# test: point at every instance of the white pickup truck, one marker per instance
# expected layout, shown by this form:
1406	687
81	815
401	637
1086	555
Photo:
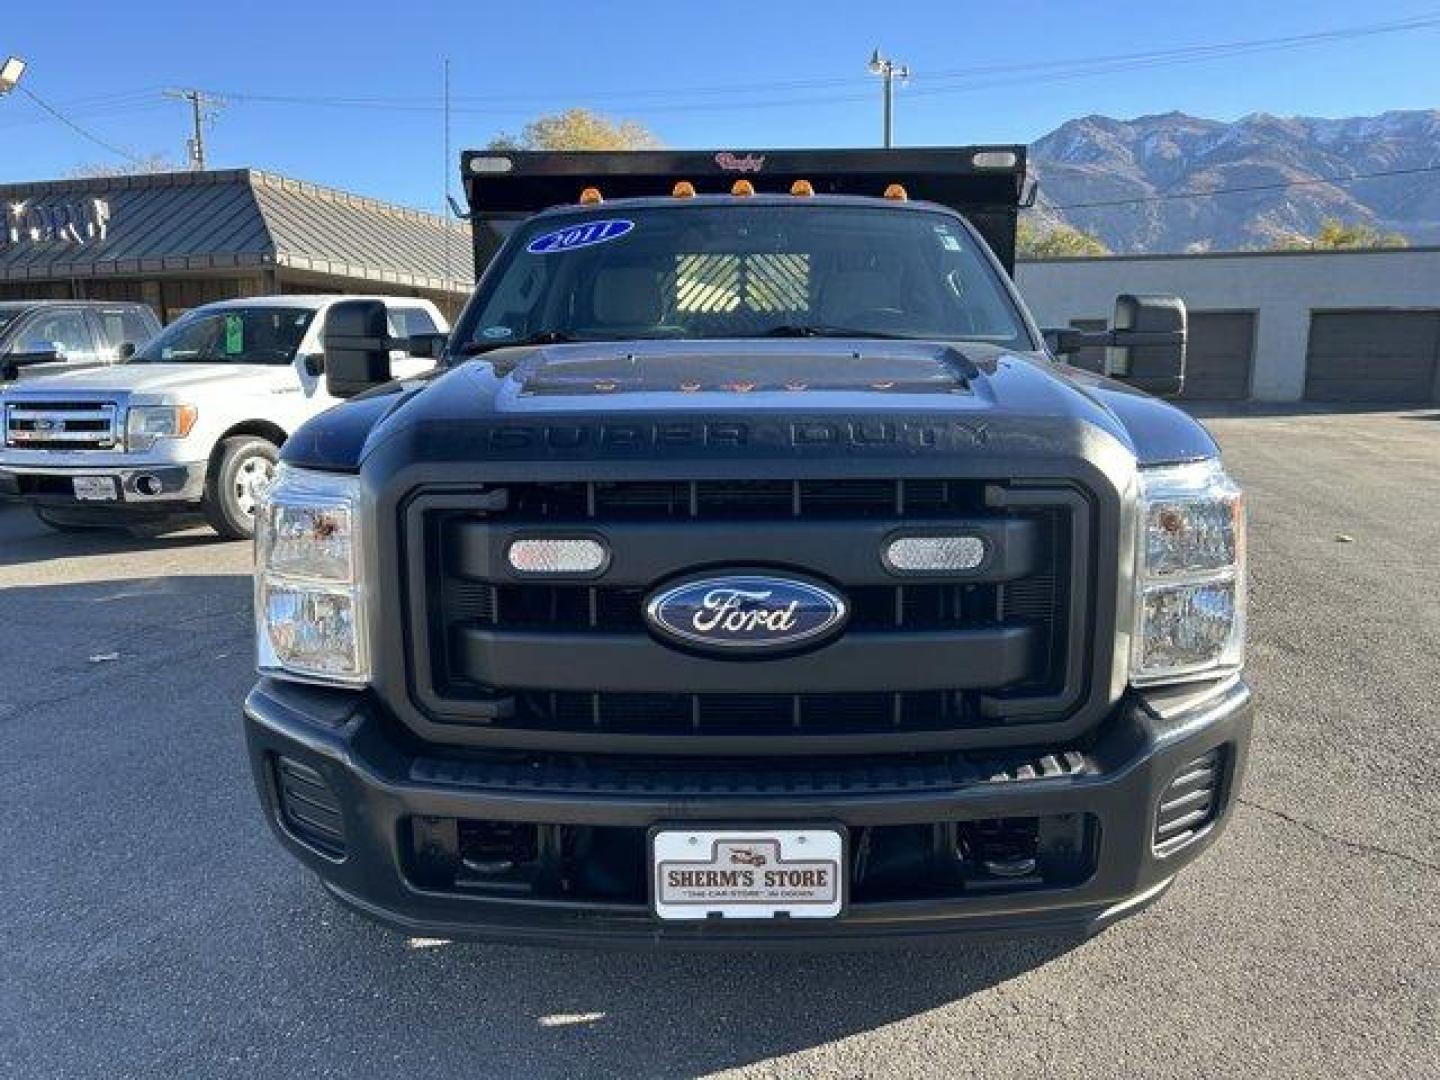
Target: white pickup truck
190	423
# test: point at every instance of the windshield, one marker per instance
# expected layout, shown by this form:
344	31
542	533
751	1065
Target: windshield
8	316
734	271
249	335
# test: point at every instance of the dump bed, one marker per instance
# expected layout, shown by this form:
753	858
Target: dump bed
985	183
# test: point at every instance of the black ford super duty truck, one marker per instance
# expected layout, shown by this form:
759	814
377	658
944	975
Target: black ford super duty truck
751	572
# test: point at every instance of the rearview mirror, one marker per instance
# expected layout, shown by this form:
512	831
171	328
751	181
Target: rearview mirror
1147	344
126	350
357	347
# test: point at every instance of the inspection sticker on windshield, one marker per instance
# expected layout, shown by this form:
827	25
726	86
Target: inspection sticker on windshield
747	873
234	334
579	236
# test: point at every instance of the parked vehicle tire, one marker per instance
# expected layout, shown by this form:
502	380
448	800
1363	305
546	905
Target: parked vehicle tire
244	468
69	521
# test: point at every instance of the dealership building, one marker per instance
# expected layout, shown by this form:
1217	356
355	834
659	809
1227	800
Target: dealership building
1323	326
177	240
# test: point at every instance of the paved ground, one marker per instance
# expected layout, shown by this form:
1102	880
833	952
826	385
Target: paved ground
149	926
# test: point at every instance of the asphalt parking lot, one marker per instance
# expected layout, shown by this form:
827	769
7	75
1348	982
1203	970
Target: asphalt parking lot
150	926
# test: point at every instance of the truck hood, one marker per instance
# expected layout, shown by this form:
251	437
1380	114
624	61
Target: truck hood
175	379
983	389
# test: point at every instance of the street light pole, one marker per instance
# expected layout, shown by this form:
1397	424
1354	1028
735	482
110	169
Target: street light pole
888	70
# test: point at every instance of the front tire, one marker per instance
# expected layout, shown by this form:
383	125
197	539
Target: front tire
243	470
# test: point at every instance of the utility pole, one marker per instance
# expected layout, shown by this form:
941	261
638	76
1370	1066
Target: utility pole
445	202
888	70
203	110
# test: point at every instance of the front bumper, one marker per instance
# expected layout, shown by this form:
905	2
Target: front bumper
381	782
162	487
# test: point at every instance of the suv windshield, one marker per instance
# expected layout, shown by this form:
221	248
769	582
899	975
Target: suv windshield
731	270
250	335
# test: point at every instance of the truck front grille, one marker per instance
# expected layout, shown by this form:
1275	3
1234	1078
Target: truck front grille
61	425
476	630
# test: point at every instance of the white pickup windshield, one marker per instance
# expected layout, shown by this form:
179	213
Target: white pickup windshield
730	270
248	335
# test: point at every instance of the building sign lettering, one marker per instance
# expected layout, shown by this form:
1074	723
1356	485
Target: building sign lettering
70	221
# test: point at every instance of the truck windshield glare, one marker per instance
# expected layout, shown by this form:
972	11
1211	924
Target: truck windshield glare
252	335
726	271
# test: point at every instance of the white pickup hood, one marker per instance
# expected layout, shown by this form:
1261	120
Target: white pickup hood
167	379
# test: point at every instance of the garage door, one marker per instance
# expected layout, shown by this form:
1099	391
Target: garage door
1218	360
1372	356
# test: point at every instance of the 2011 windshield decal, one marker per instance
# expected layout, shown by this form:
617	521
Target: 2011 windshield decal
579	236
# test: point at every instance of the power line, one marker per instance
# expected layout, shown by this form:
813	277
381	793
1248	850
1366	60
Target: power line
73	126
1176	196
970	79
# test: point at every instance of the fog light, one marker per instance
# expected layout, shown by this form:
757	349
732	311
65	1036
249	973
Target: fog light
573	555
934	554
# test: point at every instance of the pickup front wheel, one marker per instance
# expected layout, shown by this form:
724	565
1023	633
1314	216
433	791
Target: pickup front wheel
244	469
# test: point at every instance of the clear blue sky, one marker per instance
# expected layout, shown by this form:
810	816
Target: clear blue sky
725	74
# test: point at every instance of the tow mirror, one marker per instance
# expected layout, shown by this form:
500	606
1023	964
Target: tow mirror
1145	347
357	347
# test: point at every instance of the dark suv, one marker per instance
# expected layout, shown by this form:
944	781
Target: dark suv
40	337
752	572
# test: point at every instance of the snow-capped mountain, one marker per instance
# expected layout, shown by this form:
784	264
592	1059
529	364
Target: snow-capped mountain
1097	159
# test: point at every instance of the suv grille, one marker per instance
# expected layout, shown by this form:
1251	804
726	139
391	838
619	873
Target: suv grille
61	425
477	630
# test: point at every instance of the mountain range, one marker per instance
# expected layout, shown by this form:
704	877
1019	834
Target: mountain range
1142	165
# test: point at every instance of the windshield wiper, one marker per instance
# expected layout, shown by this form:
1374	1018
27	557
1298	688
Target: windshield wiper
800	330
540	337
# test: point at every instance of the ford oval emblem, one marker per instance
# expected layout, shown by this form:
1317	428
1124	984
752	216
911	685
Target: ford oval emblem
746	613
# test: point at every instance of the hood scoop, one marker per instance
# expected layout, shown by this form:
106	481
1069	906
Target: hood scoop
755	366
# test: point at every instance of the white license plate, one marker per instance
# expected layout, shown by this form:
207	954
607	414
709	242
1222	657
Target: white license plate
95	488
747	873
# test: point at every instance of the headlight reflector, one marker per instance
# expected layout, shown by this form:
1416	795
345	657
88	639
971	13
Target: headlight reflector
1190	575
144	424
309	603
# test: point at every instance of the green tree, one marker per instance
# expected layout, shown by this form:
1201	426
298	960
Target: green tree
1335	235
1056	242
578	129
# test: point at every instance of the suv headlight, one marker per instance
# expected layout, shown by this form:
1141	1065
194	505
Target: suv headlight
309	603
144	424
1190	575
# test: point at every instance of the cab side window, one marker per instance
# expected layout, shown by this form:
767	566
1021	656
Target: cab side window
64	331
124	325
412	321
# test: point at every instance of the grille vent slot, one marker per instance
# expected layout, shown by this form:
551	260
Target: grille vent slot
310	809
1190	802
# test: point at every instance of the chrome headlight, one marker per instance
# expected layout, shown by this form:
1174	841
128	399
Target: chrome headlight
309	602
1190	575
144	424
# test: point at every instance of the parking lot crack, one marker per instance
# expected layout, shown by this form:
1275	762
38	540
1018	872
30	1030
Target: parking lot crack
1354	845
